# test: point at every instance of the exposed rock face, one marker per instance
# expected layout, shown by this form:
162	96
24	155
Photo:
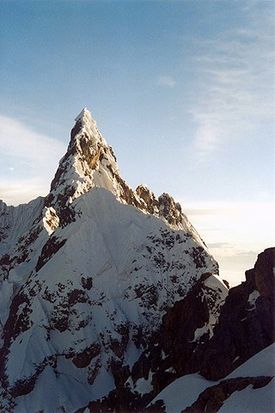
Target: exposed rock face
246	323
177	347
245	328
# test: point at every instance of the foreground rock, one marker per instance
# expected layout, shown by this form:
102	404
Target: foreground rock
242	337
249	388
246	323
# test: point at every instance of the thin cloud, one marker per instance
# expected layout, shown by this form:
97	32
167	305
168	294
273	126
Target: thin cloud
235	232
167	81
20	141
33	154
22	191
233	264
236	87
218	245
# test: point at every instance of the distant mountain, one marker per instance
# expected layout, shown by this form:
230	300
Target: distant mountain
108	294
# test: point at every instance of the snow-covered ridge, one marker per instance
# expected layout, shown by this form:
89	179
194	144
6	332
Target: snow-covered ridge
88	125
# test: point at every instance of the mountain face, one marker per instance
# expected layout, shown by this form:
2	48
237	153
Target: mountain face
108	294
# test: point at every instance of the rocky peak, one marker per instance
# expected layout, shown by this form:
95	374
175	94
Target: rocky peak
169	209
85	117
148	197
90	162
85	128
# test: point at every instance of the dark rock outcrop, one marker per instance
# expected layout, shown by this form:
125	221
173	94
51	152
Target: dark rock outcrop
212	399
177	348
246	324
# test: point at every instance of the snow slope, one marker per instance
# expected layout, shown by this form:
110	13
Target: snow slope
251	400
262	364
184	391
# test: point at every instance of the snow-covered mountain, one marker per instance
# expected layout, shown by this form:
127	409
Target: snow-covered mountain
108	294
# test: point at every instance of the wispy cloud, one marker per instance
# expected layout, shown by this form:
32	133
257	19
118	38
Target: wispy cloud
19	140
166	81
19	191
29	160
236	82
235	232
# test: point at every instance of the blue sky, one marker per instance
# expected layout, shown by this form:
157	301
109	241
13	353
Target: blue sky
183	91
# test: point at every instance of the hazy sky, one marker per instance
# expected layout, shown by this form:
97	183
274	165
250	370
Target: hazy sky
182	90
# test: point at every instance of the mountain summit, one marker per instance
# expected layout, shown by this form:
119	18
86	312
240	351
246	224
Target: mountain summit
93	279
91	163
